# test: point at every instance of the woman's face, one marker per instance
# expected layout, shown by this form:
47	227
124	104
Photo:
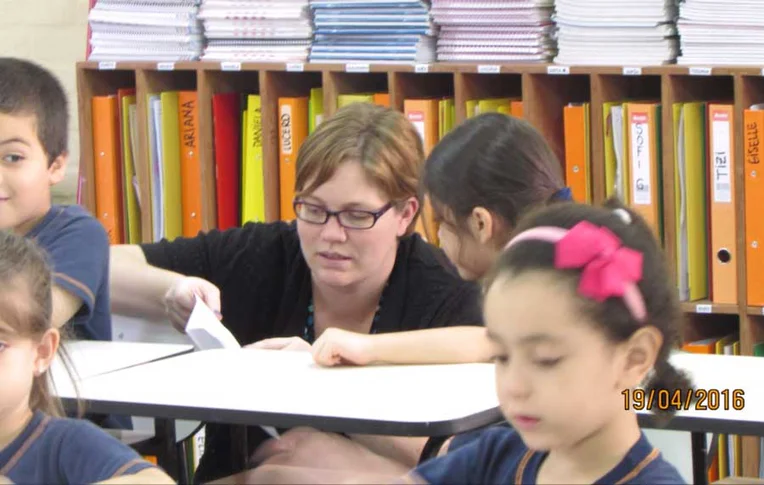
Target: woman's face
339	256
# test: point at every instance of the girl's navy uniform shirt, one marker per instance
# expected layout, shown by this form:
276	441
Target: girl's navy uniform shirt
499	456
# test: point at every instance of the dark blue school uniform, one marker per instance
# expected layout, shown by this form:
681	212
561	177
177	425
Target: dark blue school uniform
499	456
62	451
78	251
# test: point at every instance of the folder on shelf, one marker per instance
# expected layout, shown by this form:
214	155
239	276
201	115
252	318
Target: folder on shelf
132	213
609	150
643	154
153	120
190	164
577	151
753	121
690	200
106	155
315	109
171	177
253	185
293	130
346	99
227	134
424	115
721	166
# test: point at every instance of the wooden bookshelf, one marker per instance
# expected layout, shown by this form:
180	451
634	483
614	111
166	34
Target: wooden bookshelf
544	89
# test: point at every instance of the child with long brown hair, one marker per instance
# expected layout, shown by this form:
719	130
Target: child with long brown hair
37	445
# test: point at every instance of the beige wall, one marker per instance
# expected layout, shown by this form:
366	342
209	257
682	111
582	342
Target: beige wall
52	33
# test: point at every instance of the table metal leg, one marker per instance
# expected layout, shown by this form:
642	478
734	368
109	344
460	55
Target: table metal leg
432	447
239	448
699	465
168	457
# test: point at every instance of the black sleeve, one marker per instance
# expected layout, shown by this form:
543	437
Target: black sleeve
217	255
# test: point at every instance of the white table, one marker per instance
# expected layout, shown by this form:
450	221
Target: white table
92	358
287	389
713	374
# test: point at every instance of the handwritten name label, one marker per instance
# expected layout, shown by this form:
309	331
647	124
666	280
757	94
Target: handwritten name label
295	67
704	308
558	70
632	71
357	67
165	66
722	183
700	71
422	68
107	65
489	69
230	66
640	159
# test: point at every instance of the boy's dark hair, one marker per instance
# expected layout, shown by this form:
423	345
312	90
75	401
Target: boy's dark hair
614	318
26	305
495	161
29	89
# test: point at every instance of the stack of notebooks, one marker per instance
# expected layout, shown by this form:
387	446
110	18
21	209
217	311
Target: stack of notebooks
145	30
256	30
380	31
729	32
494	30
616	32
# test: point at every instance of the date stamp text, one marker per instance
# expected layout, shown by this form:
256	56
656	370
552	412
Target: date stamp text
683	400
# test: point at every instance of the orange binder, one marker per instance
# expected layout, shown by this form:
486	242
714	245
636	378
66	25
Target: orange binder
516	109
190	166
424	115
293	130
753	121
721	167
382	99
577	158
107	160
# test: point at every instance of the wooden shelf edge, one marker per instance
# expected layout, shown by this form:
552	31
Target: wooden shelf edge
755	310
438	67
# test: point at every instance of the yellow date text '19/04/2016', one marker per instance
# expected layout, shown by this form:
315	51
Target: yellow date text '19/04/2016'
683	399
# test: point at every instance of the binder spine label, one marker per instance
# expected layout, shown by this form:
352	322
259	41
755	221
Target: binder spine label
722	183
640	159
285	118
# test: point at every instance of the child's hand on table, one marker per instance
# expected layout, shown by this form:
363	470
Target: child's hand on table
341	347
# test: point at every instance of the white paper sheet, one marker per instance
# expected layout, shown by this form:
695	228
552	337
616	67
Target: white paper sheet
207	332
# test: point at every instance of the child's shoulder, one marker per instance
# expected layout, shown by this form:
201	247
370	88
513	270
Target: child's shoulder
69	223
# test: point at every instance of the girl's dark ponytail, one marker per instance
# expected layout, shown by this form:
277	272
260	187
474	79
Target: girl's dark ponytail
667	384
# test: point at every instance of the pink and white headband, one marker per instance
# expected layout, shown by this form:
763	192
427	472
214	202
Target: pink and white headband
608	268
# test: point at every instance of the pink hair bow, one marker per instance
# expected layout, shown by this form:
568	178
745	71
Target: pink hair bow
608	269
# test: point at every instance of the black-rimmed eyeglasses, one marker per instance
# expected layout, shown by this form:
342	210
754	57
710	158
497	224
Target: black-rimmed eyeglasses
348	218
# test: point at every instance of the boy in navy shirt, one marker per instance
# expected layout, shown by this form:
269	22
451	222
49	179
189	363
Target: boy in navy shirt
34	126
33	157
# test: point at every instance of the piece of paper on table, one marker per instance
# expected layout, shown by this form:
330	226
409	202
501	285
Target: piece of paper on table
207	332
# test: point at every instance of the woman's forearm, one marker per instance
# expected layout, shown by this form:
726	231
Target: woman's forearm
137	289
448	345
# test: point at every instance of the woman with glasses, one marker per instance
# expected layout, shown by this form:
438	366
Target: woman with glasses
350	261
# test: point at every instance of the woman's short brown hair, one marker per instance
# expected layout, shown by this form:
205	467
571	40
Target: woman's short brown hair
382	140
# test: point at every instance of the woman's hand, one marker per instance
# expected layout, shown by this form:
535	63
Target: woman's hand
181	297
280	343
341	347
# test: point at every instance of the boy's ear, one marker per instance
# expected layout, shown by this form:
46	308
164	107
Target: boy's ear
57	169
